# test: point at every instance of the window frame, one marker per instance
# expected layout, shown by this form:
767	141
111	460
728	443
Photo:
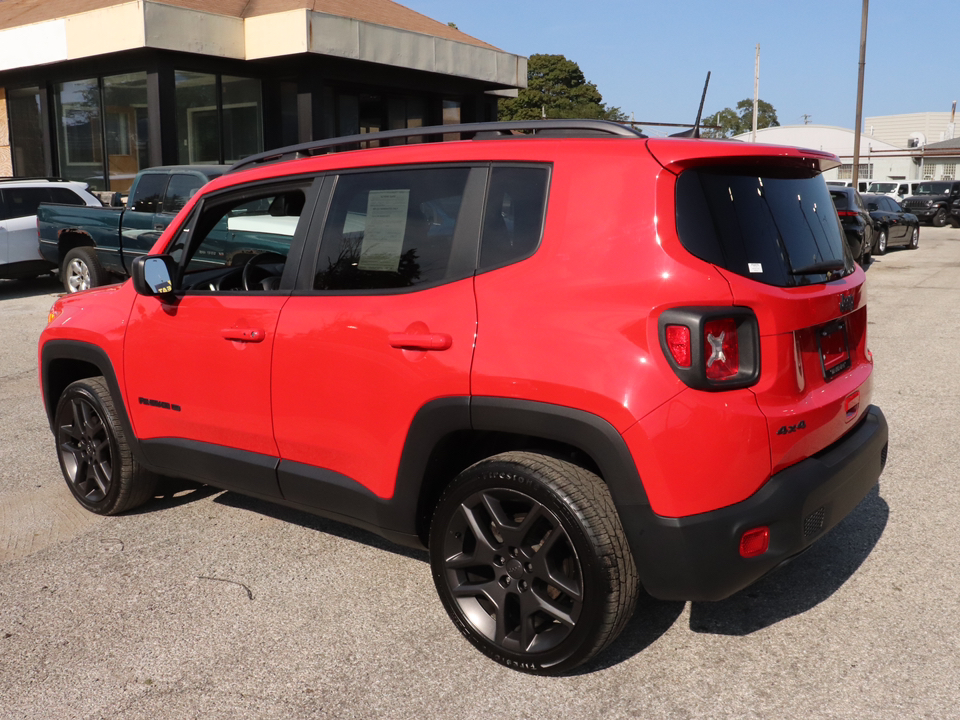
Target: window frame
464	253
311	184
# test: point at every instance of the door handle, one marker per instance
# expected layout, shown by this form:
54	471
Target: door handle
244	334
420	341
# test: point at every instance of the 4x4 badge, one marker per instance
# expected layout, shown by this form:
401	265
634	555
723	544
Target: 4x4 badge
846	302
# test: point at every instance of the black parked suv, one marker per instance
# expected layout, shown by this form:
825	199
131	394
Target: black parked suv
932	201
856	221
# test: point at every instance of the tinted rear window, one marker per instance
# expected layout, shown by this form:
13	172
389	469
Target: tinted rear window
763	223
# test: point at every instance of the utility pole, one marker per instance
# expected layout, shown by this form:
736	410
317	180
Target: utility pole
863	60
756	94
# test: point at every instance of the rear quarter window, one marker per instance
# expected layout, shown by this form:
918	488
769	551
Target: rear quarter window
765	223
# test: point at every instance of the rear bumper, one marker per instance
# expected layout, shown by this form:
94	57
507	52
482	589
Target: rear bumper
697	557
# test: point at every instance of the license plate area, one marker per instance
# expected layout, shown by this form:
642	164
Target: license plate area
834	346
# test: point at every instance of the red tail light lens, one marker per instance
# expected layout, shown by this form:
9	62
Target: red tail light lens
678	341
754	543
721	351
712	347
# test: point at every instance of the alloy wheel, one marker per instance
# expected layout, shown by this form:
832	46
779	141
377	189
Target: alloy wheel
86	451
78	275
513	571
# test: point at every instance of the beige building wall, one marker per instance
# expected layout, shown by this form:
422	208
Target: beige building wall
6	163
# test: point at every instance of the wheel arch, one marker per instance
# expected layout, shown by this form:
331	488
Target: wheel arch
70	238
65	361
450	434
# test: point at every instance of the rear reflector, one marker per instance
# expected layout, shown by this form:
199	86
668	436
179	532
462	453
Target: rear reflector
678	341
755	542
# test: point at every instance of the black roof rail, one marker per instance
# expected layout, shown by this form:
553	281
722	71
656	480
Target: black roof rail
477	131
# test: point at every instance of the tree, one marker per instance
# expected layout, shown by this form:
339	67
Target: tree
737	122
556	86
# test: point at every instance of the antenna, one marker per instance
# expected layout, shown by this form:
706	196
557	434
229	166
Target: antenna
694	132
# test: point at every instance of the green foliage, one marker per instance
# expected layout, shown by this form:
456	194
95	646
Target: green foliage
556	86
736	122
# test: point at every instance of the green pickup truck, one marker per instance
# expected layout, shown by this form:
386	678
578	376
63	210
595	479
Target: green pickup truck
92	245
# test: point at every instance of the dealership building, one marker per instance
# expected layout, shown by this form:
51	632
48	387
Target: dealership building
96	90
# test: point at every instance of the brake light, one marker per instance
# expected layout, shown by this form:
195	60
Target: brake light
721	349
678	341
712	348
847	213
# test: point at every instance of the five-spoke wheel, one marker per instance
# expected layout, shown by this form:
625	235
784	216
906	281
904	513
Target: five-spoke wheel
531	563
94	455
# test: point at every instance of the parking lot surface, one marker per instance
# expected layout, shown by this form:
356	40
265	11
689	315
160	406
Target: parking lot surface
206	604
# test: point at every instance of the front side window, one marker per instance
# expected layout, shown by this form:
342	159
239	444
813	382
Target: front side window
241	243
391	229
775	224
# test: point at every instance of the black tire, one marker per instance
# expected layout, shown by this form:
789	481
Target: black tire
914	239
81	270
882	242
531	562
940	219
95	457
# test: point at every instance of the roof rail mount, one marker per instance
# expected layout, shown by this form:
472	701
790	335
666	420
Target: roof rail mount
469	131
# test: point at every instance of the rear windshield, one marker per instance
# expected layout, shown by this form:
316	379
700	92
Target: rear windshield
774	225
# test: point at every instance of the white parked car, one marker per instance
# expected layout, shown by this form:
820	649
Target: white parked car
886	187
19	198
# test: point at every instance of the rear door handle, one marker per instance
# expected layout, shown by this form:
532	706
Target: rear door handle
244	334
420	341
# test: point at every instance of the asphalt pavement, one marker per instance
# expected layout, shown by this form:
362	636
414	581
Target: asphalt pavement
206	604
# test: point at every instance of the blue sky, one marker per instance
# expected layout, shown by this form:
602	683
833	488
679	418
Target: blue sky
650	58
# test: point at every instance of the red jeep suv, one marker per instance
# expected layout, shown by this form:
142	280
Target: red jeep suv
571	361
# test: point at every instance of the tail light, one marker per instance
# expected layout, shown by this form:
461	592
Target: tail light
712	348
847	213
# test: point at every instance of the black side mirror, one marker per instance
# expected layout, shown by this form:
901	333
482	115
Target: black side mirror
153	275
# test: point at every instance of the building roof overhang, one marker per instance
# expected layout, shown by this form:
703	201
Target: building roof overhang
148	24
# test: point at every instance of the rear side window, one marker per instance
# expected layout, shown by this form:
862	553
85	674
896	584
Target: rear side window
774	225
148	194
391	229
179	190
513	220
64	196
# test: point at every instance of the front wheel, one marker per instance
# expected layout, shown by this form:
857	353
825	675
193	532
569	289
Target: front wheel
882	242
95	456
531	562
940	219
81	270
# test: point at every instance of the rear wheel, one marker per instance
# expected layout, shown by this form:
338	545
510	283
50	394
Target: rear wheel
915	238
95	456
81	270
882	242
531	563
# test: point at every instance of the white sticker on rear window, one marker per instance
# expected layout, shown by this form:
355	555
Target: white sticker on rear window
755	267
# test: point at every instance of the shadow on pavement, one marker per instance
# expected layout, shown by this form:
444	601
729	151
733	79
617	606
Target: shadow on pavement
321	524
31	287
802	584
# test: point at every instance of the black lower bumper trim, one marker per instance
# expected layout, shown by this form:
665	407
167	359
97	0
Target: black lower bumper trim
698	558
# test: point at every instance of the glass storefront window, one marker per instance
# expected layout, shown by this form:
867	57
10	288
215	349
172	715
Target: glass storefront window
79	133
198	132
242	118
128	151
26	132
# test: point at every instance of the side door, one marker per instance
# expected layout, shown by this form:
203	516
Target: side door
21	223
197	366
384	325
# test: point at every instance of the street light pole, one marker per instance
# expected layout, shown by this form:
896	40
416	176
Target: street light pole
863	60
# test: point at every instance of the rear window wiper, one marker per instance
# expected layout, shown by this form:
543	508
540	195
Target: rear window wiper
819	268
